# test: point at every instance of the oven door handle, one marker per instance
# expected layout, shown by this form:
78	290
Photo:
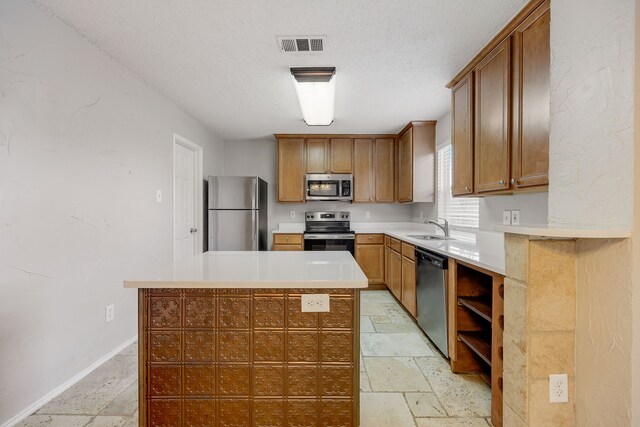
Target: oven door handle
329	237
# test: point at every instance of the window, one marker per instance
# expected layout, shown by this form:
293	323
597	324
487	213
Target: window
459	211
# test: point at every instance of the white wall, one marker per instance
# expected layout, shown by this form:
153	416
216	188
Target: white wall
591	143
258	157
533	206
84	146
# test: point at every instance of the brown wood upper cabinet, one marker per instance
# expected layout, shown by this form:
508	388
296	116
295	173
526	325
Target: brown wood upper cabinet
503	95
373	170
326	155
291	170
531	97
416	162
462	136
492	139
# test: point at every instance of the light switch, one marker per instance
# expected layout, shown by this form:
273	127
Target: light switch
506	217
515	217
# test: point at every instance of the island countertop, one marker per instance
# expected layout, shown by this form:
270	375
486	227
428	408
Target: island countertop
255	270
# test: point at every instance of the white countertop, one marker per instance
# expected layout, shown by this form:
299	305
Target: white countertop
484	249
265	269
566	232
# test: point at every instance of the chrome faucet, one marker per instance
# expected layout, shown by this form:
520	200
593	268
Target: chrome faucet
444	228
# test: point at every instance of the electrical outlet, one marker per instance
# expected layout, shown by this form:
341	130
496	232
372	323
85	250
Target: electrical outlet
558	388
109	313
367	214
158	196
506	217
292	214
315	303
515	217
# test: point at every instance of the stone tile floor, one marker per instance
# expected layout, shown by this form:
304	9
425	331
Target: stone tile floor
404	382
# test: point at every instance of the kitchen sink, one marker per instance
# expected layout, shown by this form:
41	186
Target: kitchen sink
428	237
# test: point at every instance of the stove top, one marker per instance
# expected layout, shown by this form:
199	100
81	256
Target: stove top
327	222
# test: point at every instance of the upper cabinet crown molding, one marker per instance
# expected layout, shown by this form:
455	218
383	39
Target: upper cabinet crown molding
507	31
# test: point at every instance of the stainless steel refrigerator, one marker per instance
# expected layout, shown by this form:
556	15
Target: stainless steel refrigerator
237	213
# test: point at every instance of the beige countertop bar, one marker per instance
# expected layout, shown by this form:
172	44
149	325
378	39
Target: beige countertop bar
265	269
565	231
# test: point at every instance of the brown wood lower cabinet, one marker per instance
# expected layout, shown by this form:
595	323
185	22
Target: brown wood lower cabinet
395	274
247	357
287	242
370	256
476	326
409	280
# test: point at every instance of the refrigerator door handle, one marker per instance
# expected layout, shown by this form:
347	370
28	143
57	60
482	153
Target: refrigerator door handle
254	190
253	229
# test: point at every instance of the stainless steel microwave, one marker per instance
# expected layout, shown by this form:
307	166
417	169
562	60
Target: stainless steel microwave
336	187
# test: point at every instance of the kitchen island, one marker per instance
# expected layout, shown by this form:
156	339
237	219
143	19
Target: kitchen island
224	341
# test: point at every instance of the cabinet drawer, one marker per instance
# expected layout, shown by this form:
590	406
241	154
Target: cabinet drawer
369	239
287	247
395	245
409	251
287	239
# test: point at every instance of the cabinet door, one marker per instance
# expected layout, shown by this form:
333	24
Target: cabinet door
531	92
405	165
384	160
409	286
491	134
387	257
291	170
363	170
395	274
370	258
462	136
341	152
317	156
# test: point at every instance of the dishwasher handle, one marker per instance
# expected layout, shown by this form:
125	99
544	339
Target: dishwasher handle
438	261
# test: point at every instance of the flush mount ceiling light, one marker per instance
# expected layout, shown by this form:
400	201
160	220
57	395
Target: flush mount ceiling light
316	90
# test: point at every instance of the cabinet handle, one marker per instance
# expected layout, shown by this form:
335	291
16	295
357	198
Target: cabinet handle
467	189
501	182
332	171
514	181
370	237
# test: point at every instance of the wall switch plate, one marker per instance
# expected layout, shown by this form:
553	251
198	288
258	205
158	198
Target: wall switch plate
367	214
315	303
292	214
109	313
515	217
506	217
558	388
158	196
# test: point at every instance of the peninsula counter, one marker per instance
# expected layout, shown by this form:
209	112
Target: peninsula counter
224	341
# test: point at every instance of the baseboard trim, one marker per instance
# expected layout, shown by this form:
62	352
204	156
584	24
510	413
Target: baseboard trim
67	384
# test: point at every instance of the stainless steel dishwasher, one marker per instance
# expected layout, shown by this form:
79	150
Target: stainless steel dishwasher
431	290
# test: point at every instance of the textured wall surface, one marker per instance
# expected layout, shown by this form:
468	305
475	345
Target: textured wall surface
591	141
603	333
84	145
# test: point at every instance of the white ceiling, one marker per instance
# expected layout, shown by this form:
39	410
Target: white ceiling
219	59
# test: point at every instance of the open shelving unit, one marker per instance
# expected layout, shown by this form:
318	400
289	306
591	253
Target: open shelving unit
476	327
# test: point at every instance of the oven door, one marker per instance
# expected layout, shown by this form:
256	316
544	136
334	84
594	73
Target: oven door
329	242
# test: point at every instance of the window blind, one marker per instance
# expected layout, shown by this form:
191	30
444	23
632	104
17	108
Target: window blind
459	211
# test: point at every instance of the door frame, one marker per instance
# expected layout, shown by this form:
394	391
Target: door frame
198	196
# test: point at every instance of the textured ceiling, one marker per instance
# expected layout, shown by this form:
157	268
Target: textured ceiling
219	60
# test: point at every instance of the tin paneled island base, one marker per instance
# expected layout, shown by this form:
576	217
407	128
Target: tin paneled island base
236	349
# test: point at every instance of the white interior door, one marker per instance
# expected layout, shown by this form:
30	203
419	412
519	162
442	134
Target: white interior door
186	201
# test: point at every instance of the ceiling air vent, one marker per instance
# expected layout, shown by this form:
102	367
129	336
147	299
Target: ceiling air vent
302	44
